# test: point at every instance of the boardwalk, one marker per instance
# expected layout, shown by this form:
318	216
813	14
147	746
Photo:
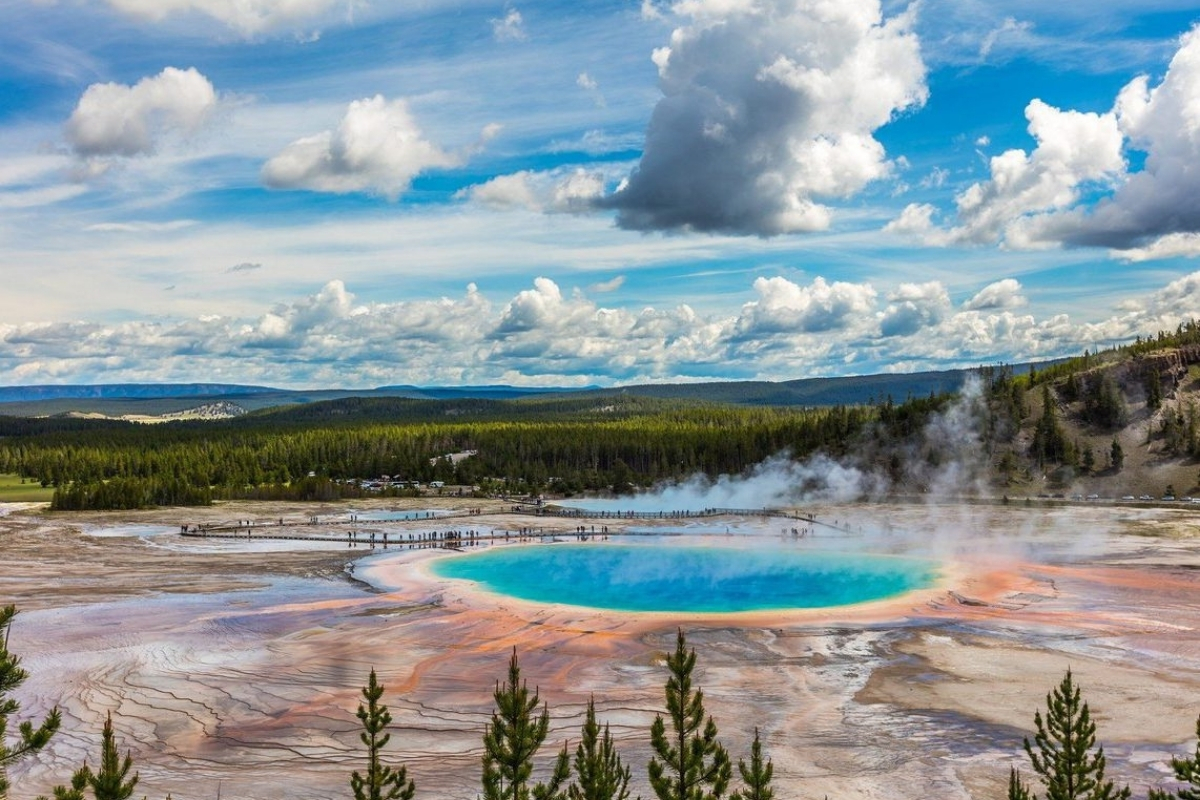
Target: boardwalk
383	532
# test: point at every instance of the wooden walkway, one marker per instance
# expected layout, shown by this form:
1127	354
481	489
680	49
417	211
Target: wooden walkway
379	533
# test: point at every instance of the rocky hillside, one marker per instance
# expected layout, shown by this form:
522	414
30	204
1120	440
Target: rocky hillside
1117	425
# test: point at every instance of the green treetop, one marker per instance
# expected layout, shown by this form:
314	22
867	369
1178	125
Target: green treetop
109	782
598	769
690	764
512	739
381	782
1187	772
1062	752
757	776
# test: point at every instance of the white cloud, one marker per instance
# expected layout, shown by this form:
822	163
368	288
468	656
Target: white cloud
541	331
1034	199
141	226
769	108
786	307
245	16
1160	199
509	28
544	335
588	84
1009	29
1002	294
1073	149
563	190
914	307
377	147
112	119
916	218
608	286
650	11
1173	245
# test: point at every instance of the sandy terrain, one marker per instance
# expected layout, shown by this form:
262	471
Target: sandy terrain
233	667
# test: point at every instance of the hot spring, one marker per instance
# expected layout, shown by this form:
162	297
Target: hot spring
687	579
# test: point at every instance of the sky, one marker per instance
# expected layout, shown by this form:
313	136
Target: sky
360	193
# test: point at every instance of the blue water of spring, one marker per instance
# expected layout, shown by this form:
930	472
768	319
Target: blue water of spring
687	578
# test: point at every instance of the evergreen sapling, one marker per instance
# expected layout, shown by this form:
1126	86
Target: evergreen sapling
512	739
599	774
1062	752
382	782
689	763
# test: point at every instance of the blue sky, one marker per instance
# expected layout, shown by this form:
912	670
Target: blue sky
365	192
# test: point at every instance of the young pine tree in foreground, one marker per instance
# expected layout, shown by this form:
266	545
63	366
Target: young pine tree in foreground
512	739
31	739
1061	752
109	782
382	782
757	776
599	774
690	763
1187	772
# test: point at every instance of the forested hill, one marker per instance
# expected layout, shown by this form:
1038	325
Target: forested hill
118	400
1113	424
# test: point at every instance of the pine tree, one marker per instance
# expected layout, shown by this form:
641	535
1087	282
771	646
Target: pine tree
1016	789
1187	772
1061	752
512	739
691	764
382	782
599	774
11	676
109	783
756	777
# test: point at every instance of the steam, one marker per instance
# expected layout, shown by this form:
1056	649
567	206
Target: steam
946	461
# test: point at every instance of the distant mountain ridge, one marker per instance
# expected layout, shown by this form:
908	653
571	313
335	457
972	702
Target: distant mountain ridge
120	399
25	394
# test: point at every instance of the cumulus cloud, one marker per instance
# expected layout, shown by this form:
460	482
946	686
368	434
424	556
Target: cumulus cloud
112	119
1035	199
542	331
1172	245
554	191
245	16
769	108
1073	150
915	219
377	147
914	307
545	335
1001	294
784	306
1160	199
510	27
288	326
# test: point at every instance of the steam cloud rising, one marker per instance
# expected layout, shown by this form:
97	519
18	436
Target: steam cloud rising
952	437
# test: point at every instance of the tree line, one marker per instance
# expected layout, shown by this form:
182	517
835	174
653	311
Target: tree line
688	762
619	444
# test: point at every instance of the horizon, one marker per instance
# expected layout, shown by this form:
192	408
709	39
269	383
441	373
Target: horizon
563	195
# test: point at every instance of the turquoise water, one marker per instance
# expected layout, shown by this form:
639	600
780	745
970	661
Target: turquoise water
687	579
